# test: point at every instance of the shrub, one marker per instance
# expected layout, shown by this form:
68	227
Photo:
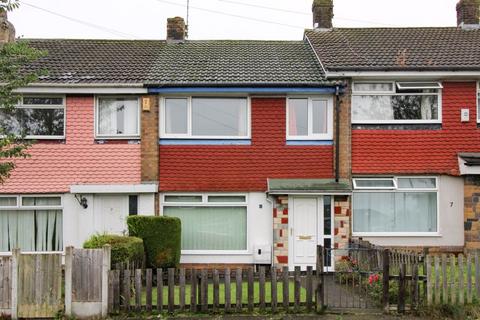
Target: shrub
161	237
124	249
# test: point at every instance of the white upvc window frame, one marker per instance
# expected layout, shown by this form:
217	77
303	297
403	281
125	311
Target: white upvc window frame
394	182
429	85
21	105
205	203
311	136
20	207
393	93
412	190
116	136
189	135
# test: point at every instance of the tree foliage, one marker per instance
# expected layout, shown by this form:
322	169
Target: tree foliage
14	57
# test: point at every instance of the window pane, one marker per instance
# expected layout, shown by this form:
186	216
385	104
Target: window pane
132	205
395	212
183	198
176	116
374	183
8	201
298	117
43	101
401	107
41	201
29	230
320	116
226	199
33	121
419	183
327	215
219	117
372	87
211	228
118	116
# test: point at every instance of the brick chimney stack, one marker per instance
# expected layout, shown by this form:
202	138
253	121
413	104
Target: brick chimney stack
7	30
322	14
468	13
176	29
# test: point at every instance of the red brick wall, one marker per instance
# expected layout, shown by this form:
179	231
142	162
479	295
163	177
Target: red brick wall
55	165
245	168
421	151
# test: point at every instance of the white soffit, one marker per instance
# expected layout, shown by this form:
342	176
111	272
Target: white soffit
113	188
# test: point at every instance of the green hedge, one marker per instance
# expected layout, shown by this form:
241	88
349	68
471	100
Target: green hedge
161	237
124	249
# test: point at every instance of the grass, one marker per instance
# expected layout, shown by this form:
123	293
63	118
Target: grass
256	294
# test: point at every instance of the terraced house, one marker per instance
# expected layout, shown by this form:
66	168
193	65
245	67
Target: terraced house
263	149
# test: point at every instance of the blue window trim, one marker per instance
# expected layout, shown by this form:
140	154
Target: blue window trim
309	142
204	142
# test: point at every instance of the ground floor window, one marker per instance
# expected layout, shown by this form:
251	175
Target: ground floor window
408	205
31	223
210	222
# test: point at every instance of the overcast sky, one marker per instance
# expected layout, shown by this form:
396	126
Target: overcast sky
216	19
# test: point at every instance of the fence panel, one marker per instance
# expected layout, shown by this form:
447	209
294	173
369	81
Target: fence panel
87	275
5	284
39	285
456	281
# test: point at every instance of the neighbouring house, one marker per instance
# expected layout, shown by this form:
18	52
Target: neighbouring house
85	173
415	137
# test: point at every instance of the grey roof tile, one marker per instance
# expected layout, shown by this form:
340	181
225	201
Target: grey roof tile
192	63
397	49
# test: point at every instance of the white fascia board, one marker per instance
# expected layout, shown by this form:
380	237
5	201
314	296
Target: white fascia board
467	170
113	188
434	75
82	90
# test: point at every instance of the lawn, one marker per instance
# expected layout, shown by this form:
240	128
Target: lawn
256	294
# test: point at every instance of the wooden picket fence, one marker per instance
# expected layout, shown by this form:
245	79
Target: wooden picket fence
453	280
230	291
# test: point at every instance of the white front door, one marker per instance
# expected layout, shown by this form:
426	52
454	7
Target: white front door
304	231
311	224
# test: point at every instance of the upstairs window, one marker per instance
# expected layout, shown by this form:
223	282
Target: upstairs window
309	119
200	118
117	117
35	117
396	102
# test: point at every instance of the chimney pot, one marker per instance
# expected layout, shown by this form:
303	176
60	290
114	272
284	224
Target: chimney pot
7	30
176	29
322	14
468	13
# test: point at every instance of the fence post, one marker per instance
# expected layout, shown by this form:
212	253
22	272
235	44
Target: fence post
319	294
68	280
14	300
106	261
401	288
386	280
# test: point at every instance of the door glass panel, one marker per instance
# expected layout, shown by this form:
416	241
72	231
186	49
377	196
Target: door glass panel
327	215
327	243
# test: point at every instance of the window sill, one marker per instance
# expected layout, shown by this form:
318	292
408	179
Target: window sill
397	235
117	141
309	142
200	142
216	252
